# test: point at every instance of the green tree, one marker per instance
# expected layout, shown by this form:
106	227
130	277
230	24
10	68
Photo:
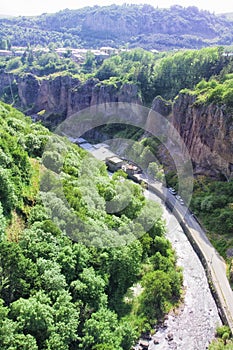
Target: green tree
65	322
48	324
34	316
7	191
90	63
90	288
124	269
107	70
14	64
101	329
24	57
3	44
10	336
2	223
51	279
19	272
30	57
225	337
153	170
156	294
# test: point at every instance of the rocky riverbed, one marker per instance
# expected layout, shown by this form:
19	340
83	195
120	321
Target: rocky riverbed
192	327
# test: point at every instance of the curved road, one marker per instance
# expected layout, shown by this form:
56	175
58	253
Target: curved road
215	263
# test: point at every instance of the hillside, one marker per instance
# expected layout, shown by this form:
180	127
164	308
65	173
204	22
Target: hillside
50	88
130	25
48	83
65	267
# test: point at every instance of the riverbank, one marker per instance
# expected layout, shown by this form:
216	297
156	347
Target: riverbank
193	327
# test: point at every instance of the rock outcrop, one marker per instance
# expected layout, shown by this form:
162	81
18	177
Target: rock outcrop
162	106
53	99
207	131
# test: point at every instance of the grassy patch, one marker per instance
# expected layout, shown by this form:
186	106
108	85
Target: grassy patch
15	228
31	191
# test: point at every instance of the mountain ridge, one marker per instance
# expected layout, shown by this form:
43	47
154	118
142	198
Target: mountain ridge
125	25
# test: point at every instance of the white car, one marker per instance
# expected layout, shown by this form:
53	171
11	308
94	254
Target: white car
172	190
180	199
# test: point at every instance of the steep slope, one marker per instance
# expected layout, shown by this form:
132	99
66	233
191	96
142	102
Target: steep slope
134	25
56	98
206	130
66	263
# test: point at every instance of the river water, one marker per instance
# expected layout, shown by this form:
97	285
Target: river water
193	326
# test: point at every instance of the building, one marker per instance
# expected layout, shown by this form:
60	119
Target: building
100	55
154	51
114	163
77	58
131	169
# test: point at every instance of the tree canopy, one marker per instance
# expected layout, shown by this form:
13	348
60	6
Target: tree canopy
66	262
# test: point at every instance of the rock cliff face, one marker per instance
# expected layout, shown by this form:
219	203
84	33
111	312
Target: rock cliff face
5	81
149	21
60	97
131	25
207	131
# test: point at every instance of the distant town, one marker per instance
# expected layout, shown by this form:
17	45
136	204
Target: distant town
77	55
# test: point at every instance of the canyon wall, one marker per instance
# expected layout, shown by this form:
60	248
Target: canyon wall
207	131
53	99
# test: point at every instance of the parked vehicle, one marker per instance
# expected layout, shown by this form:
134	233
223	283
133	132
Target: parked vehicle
172	190
180	199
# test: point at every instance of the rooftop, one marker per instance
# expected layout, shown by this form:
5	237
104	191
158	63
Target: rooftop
115	160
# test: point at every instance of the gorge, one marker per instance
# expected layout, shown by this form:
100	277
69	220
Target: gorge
205	129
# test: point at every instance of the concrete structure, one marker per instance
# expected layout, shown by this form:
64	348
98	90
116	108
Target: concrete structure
114	163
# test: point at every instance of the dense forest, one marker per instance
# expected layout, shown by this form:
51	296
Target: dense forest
65	268
127	25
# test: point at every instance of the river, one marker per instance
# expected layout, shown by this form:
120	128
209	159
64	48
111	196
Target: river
194	324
